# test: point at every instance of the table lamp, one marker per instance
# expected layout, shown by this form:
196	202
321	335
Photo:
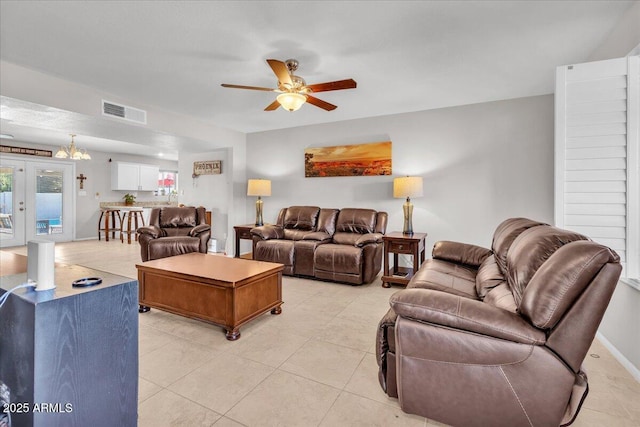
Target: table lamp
259	187
409	186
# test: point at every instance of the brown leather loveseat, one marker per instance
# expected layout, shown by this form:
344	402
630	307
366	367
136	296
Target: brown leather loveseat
341	245
174	231
497	337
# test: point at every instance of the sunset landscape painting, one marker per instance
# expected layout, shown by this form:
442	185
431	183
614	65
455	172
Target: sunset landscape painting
348	160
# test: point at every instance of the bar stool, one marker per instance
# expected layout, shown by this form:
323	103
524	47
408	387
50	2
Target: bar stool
111	214
128	214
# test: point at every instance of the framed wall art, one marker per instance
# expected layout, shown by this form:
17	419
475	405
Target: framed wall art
371	159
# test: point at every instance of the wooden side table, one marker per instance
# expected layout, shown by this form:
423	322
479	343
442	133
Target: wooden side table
242	232
398	243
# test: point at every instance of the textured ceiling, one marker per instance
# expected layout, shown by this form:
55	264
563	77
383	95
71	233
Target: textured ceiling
405	56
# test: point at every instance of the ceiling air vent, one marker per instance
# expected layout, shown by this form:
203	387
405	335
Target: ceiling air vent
124	112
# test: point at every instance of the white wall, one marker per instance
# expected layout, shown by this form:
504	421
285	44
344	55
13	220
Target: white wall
624	38
481	164
210	191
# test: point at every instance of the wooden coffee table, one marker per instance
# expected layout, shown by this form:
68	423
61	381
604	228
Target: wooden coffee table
228	292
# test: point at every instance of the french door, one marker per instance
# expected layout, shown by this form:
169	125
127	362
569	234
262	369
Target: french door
36	201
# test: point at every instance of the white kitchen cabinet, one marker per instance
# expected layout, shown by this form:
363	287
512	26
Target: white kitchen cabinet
134	176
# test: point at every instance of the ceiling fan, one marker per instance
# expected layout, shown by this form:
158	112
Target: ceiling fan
293	90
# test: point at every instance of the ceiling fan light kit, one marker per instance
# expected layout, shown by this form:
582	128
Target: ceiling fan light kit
293	90
291	101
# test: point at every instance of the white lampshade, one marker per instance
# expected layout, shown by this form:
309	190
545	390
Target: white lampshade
259	187
291	101
408	186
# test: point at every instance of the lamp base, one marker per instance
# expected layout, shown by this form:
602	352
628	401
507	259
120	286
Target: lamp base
259	204
407	209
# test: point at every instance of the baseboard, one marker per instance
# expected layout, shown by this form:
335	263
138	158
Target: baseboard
89	238
635	372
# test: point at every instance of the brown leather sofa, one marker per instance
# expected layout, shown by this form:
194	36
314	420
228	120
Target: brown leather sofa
497	336
174	231
340	245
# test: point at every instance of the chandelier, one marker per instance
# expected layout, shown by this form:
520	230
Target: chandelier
72	152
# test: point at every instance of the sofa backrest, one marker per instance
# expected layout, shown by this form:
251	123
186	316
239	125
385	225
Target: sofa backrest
177	221
327	220
504	236
353	220
568	295
530	250
302	218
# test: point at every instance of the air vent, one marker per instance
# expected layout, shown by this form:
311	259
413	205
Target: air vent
124	112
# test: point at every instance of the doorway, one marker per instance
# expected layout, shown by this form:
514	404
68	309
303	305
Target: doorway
36	201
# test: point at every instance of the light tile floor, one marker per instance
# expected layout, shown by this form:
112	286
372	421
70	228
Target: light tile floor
313	365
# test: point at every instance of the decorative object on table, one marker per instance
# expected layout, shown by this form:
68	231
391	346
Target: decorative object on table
129	199
72	151
28	151
259	187
81	178
372	159
86	282
408	186
293	90
209	167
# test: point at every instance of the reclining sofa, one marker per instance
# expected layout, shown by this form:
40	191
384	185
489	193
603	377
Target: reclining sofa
174	231
330	244
496	337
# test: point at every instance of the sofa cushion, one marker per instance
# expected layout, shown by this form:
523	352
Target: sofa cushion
171	246
349	239
352	220
297	234
338	258
178	217
489	276
301	217
501	297
280	251
530	250
559	282
445	276
504	236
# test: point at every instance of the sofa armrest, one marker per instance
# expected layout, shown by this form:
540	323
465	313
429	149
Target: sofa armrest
465	314
267	232
151	230
198	229
460	253
318	236
368	238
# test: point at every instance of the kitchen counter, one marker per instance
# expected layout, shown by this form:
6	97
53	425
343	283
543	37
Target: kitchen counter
121	205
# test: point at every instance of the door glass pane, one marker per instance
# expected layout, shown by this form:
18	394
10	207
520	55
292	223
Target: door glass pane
6	200
48	201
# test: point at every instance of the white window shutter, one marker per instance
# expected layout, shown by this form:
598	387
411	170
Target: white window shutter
597	183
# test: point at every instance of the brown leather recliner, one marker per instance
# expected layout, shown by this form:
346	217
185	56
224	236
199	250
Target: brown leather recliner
497	337
341	245
174	231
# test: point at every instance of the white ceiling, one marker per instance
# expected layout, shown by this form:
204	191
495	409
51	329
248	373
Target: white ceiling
405	55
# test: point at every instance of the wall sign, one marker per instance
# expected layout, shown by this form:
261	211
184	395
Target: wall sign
210	167
27	151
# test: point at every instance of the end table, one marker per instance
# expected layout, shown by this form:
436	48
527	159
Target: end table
242	232
399	243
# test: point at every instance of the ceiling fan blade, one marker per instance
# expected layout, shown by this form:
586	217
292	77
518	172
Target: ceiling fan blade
273	106
281	71
337	85
266	89
320	103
